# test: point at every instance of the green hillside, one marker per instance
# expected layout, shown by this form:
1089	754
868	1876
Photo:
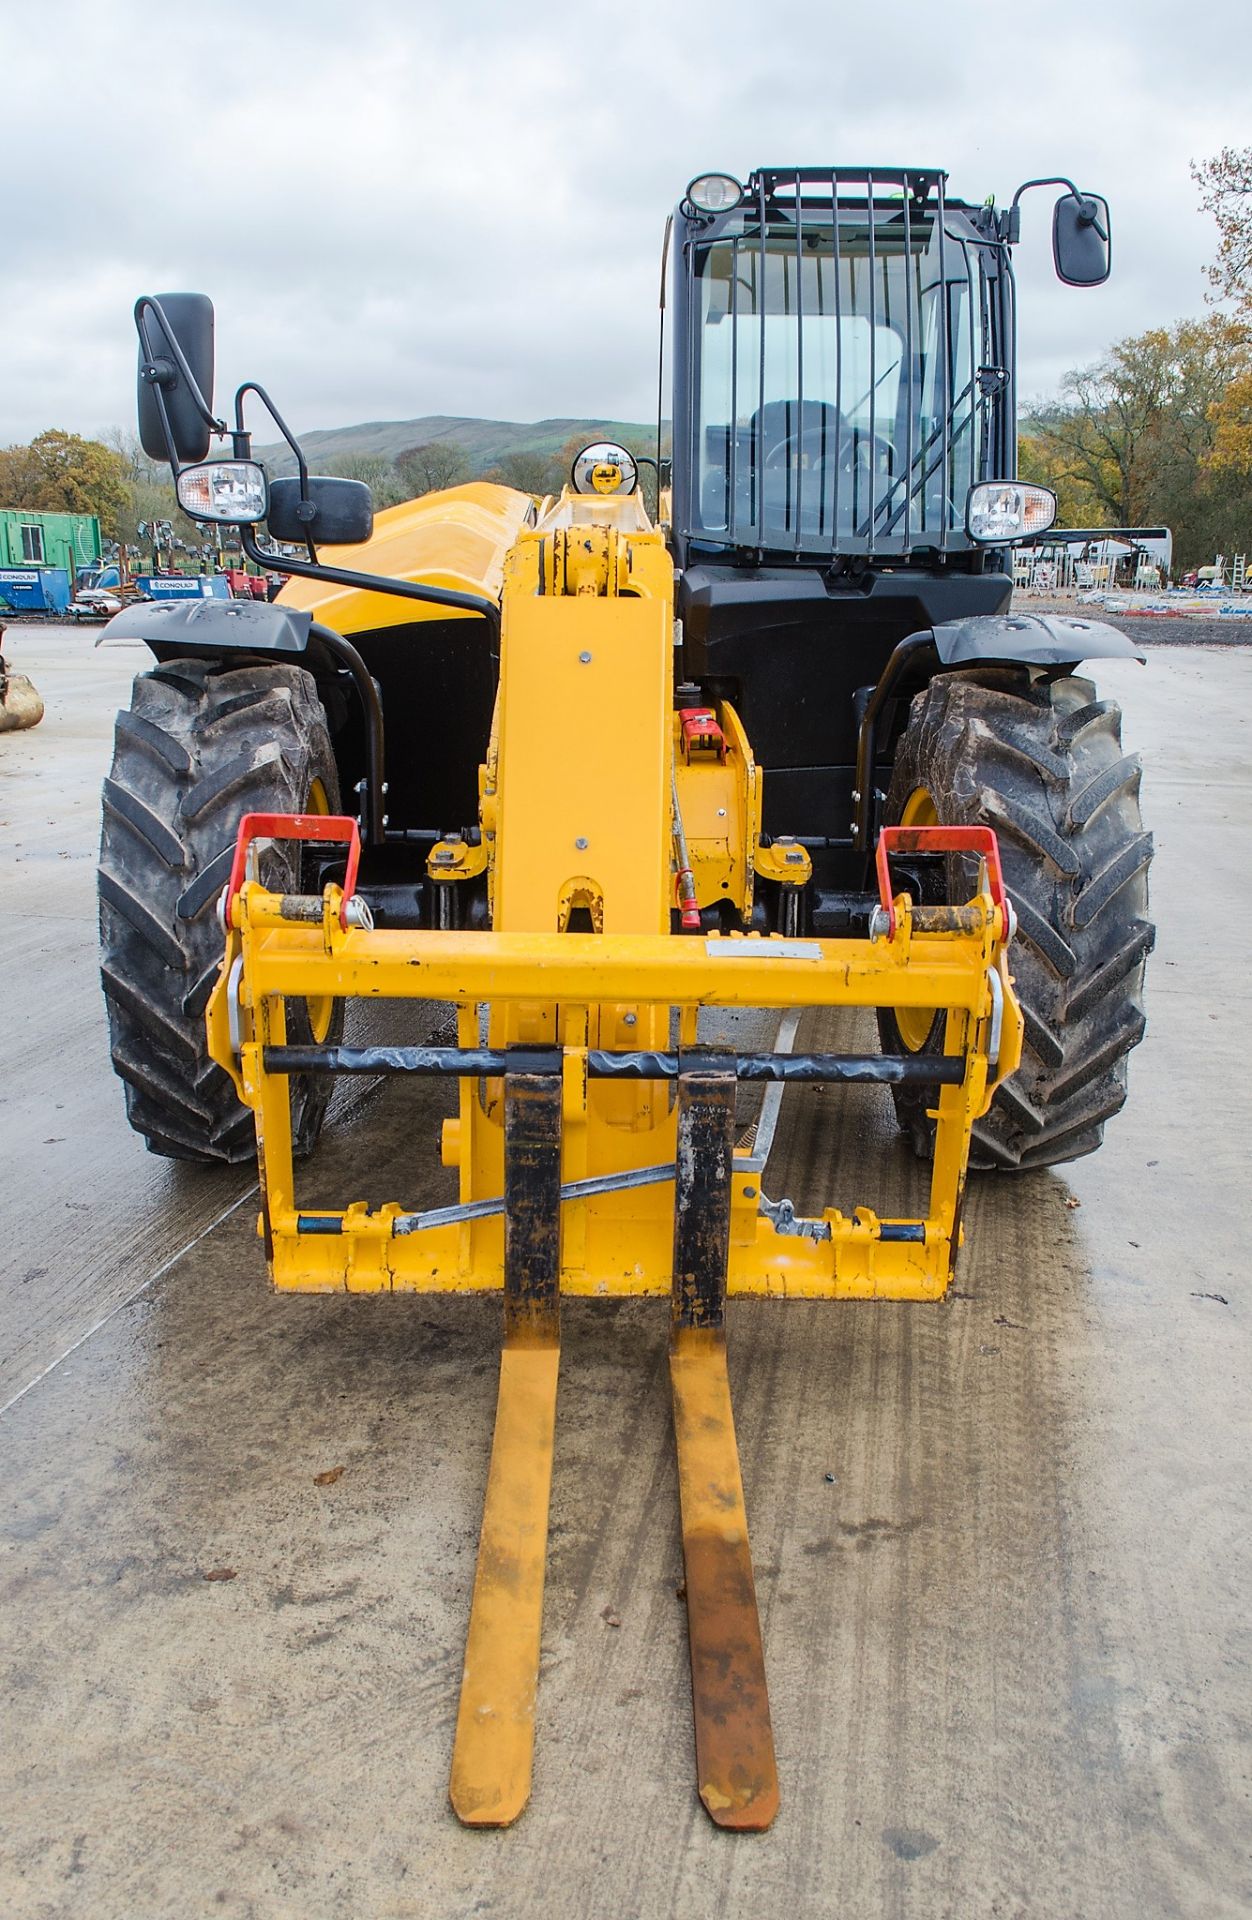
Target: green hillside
484	442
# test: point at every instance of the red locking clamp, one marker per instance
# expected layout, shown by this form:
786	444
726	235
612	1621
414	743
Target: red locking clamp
940	840
332	827
701	732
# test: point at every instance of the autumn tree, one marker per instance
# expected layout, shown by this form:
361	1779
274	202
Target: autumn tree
150	496
1133	440
1044	464
527	470
433	465
62	473
378	473
1225	184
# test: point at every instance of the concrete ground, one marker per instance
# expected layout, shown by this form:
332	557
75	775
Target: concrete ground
1009	1643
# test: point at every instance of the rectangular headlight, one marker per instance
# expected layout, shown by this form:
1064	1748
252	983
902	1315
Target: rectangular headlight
233	491
1000	511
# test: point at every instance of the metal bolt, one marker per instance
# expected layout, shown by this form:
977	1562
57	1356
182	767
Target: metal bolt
749	1193
581	843
584	659
628	1019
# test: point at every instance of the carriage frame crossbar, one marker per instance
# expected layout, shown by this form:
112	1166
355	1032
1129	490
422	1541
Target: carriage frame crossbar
618	1219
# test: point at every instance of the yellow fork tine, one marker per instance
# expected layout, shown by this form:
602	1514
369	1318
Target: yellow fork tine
735	1767
493	1751
495	1729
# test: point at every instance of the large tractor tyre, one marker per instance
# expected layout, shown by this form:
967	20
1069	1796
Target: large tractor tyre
198	749
1041	761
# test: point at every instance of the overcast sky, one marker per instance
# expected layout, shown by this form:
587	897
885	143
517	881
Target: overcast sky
458	208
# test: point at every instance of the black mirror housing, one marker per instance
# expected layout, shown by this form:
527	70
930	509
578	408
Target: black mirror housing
336	513
188	317
1081	239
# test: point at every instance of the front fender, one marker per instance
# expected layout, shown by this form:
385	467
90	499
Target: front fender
191	629
1035	639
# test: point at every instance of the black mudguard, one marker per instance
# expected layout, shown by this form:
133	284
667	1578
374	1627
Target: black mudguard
200	629
985	639
1029	639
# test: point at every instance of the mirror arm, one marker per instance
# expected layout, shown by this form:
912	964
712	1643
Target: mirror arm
250	386
1012	219
302	468
159	374
376	583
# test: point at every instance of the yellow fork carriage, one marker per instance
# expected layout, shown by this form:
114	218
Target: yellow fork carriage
595	1137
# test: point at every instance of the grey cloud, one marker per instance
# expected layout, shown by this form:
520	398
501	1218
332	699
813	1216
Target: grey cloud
424	209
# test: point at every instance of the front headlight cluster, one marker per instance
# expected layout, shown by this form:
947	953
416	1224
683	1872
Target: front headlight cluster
1001	511
233	492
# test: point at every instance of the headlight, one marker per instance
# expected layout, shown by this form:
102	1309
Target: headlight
715	192
999	511
234	491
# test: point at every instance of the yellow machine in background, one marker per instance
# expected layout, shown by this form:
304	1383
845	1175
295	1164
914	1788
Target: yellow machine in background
595	1138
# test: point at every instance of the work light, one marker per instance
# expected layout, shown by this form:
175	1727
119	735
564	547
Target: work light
1000	511
714	192
235	491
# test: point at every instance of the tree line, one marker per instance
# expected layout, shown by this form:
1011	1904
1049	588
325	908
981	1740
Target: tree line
114	479
1156	432
444	463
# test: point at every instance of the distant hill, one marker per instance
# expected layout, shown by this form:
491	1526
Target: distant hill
485	442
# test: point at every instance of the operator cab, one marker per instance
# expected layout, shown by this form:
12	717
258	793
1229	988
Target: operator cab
847	372
844	443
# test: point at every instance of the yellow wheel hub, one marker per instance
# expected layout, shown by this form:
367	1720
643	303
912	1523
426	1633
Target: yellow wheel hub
914	1023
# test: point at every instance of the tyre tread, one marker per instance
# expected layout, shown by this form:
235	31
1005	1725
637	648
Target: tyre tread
197	748
1041	761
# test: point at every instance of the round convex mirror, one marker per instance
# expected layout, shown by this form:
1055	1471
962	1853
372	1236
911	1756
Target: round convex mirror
604	468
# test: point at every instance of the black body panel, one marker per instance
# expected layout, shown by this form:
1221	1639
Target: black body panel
437	680
790	652
438	685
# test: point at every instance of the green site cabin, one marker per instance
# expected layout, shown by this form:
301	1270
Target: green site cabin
32	539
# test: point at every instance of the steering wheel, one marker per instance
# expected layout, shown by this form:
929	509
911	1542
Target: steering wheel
856	448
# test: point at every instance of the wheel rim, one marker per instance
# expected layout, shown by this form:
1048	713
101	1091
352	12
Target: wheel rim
914	1023
322	1006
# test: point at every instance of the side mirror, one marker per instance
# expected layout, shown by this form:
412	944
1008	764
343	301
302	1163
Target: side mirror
176	362
1081	239
337	513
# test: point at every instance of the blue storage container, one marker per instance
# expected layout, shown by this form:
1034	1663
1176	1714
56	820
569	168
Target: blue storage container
34	589
184	586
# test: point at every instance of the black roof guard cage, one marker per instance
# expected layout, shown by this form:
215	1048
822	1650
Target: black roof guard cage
841	486
918	182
